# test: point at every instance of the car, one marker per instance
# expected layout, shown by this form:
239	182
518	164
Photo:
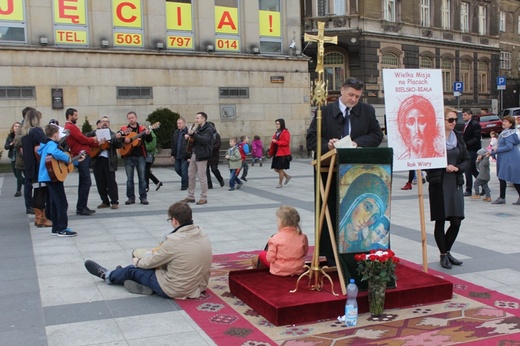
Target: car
489	122
515	111
459	126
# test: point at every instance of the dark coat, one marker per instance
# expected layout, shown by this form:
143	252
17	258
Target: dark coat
203	142
29	142
472	135
215	154
365	129
437	178
175	138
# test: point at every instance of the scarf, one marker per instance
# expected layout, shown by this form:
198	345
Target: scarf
451	141
506	133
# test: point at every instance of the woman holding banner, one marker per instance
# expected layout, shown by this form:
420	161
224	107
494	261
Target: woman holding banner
446	190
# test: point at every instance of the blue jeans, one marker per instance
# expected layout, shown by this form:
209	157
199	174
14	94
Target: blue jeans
145	277
181	167
84	183
233	177
59	206
139	163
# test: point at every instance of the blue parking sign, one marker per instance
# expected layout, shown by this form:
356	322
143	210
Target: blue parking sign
501	83
458	86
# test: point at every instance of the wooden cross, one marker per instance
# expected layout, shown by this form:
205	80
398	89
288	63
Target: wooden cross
320	39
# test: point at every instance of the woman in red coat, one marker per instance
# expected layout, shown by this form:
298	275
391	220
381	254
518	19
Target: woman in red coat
280	151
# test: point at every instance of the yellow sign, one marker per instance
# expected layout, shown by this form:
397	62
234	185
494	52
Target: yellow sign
69	12
178	16
180	42
269	23
78	37
11	10
226	20
127	13
227	44
125	39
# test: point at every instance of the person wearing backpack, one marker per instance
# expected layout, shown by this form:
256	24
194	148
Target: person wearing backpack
151	150
214	159
243	146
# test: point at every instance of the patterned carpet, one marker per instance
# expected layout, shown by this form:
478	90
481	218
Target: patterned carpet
474	316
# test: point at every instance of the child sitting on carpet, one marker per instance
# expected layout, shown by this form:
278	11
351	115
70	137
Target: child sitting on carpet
286	250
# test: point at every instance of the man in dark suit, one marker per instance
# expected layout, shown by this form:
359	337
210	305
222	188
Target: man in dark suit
346	116
472	135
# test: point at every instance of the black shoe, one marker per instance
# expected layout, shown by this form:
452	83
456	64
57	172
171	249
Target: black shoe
84	212
244	179
17	194
144	201
467	194
130	201
29	211
445	262
453	260
222	183
136	288
91	211
184	188
158	186
95	269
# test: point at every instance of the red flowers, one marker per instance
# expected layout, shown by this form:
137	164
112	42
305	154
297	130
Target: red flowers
377	265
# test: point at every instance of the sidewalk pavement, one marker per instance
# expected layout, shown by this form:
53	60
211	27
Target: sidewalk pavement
48	298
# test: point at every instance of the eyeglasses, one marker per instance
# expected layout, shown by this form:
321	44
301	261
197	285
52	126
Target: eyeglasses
451	120
169	219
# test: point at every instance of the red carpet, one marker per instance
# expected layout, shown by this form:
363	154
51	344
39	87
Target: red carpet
473	316
269	295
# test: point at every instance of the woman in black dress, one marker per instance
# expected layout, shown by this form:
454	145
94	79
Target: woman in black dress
446	190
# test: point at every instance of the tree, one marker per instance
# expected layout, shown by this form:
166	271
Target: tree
168	120
86	126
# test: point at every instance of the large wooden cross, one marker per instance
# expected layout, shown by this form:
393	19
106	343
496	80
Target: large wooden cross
320	39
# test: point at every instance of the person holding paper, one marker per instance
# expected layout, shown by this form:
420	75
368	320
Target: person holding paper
347	117
105	165
77	142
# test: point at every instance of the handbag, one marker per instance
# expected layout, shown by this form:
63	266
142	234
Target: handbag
289	158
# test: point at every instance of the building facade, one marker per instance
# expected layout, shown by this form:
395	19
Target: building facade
228	58
462	38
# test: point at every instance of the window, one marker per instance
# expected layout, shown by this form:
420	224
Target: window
334	64
270	40
518	25
389	60
229	92
134	93
14	93
339	7
464	17
322	8
482	20
12	33
465	75
447	67
427	62
445	12
483	77
502	22
425	12
389	10
505	60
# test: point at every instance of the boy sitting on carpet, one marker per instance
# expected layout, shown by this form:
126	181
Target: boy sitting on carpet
286	250
178	268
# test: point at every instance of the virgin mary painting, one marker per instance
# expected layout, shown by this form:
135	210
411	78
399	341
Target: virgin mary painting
362	212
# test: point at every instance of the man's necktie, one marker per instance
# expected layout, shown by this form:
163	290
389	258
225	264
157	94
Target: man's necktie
346	126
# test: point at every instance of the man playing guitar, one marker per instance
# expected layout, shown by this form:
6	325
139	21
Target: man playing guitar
136	159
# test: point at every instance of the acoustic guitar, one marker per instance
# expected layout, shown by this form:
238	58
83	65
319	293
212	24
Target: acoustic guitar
127	147
94	152
191	140
58	169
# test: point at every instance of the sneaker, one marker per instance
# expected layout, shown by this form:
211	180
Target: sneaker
231	189
499	201
475	196
287	179
239	186
95	269
103	205
486	199
414	182
115	206
188	200
517	202
54	233
130	201
260	163
136	288
144	201
67	232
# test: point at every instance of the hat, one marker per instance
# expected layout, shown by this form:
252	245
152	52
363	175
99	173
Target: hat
482	152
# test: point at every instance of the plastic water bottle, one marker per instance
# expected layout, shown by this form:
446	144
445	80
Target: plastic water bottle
351	308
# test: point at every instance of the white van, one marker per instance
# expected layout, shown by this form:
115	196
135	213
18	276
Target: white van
515	111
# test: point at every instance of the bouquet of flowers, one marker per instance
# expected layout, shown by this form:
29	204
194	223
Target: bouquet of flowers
378	267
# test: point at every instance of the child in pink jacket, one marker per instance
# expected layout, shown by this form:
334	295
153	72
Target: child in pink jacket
258	150
286	250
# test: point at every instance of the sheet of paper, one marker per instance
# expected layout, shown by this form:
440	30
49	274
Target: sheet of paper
103	134
63	132
344	143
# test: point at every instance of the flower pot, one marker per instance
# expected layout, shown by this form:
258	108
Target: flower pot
376	297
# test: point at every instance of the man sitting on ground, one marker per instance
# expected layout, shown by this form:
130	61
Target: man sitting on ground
178	268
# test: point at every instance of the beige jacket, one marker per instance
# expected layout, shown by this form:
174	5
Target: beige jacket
182	262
